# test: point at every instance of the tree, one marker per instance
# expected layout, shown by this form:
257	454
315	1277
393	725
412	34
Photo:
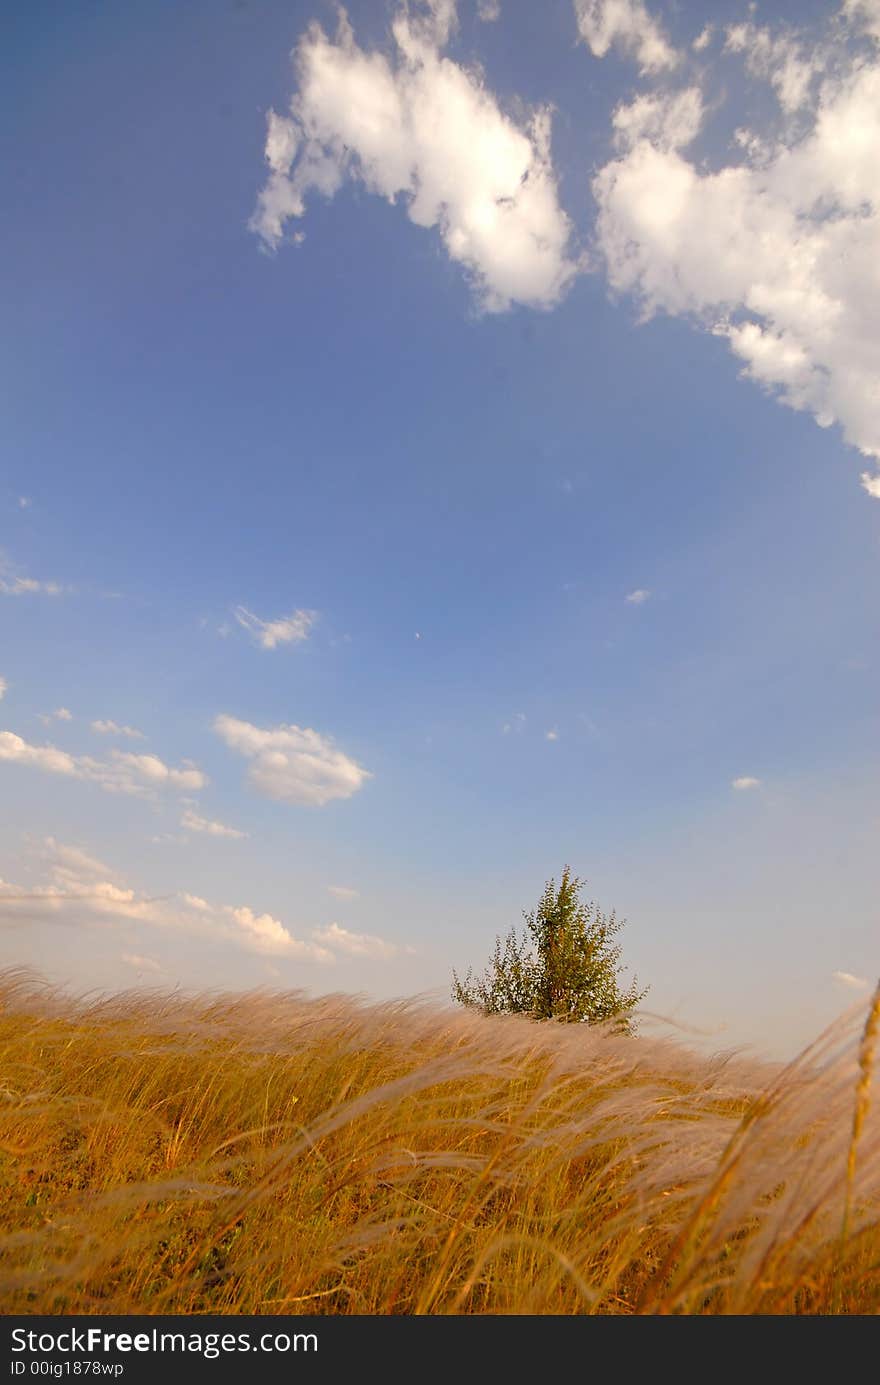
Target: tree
564	966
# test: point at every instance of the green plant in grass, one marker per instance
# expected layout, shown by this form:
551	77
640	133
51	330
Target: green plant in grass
565	965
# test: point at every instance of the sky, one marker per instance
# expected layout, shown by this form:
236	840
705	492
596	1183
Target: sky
441	443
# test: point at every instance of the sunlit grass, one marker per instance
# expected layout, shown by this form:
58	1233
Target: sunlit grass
274	1154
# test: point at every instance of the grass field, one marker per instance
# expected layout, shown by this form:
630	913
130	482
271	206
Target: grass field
270	1153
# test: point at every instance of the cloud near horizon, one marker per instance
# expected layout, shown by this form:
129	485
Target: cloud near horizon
81	890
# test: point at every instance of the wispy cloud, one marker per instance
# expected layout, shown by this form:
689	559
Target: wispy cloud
26	586
343	892
60	714
132	959
638	597
193	823
292	763
4	688
855	983
122	773
76	892
627	26
516	725
745	781
112	728
268	634
551	735
354	944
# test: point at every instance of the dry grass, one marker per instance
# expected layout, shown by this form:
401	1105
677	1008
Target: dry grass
275	1154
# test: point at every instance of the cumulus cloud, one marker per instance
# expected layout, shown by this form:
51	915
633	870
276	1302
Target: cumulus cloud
638	597
122	773
353	944
284	630
777	251
112	728
670	120
79	889
194	823
292	763
75	893
780	58
627	25
417	128
745	781
343	892
855	983
153	771
60	714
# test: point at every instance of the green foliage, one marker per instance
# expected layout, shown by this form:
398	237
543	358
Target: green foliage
565	965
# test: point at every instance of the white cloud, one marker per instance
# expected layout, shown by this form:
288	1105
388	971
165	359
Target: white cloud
488	11
60	714
76	894
353	944
745	781
780	58
194	823
4	688
293	764
703	39
516	725
154	771
552	735
423	130
25	586
671	120
856	983
45	757
122	773
864	14
627	25
343	892
284	630
266	934
112	728
638	597
24	502
131	959
778	250
69	865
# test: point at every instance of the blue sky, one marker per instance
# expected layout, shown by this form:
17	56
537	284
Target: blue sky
412	483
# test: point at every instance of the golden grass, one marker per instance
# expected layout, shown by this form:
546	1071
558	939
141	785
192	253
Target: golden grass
275	1154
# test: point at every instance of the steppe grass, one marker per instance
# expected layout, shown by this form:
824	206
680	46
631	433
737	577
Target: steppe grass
275	1154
